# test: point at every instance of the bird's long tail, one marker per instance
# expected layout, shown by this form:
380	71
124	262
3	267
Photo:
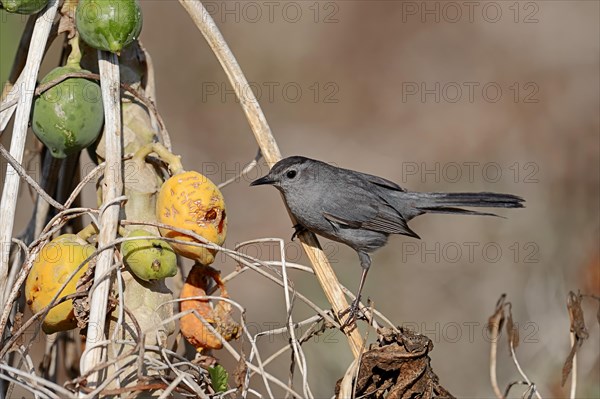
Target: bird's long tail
449	202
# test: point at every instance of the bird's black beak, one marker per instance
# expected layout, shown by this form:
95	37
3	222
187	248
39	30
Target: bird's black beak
263	180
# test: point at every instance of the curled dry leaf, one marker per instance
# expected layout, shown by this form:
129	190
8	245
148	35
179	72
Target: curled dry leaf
577	328
576	315
496	321
239	375
511	330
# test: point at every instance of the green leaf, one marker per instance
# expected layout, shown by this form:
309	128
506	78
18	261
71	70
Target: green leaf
218	378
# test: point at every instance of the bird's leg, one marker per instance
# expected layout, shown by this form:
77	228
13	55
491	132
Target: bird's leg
298	229
354	310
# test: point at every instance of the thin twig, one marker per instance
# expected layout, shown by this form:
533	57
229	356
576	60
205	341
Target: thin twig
520	370
29	382
296	349
573	388
251	165
23	173
495	326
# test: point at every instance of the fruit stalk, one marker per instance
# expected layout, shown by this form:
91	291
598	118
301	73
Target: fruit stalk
75	55
174	161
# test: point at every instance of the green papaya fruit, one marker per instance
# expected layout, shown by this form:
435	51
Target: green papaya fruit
26	7
109	24
68	117
149	259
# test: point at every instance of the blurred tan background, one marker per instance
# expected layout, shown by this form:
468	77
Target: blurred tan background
437	96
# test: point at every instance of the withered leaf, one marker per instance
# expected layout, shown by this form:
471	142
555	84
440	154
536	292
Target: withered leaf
512	331
81	304
496	320
239	375
398	367
17	324
577	328
576	315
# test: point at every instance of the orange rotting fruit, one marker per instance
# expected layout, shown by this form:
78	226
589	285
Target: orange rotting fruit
192	328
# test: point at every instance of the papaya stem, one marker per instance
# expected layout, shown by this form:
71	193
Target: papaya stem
75	55
174	161
88	231
123	232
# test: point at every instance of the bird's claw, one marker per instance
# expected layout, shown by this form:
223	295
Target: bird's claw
353	313
298	229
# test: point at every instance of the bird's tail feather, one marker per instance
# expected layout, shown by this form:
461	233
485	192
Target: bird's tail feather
448	202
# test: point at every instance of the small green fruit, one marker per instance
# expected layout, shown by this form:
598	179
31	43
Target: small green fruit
149	259
68	117
26	7
109	24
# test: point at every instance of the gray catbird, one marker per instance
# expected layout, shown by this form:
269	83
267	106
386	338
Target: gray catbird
362	210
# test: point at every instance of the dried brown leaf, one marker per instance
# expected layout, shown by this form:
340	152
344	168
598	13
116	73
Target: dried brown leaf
496	320
398	367
576	315
568	366
577	328
512	331
17	324
81	305
239	375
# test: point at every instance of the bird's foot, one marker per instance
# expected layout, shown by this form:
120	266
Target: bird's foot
353	313
298	229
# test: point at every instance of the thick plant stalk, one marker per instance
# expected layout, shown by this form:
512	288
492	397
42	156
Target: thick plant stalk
109	217
8	204
270	151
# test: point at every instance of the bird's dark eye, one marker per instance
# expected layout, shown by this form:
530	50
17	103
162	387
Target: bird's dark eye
291	174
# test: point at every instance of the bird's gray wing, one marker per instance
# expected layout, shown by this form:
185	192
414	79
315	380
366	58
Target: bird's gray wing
366	210
379	181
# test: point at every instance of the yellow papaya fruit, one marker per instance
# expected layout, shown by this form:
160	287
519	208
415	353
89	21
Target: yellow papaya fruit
49	273
191	201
